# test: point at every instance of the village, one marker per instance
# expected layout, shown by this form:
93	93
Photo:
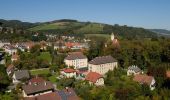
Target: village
34	86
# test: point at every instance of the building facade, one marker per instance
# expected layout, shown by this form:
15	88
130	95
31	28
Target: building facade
102	64
76	59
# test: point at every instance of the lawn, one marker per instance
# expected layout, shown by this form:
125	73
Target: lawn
45	56
53	78
40	72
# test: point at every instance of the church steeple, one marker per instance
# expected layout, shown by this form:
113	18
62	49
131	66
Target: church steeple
112	37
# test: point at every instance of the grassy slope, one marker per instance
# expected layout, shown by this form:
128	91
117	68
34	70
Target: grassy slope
45	56
40	72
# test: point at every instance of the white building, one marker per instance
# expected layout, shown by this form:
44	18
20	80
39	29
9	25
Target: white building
76	59
102	64
133	70
95	78
10	49
68	72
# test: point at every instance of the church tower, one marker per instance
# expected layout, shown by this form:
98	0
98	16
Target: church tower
112	37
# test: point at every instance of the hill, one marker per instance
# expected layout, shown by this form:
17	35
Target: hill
76	27
66	26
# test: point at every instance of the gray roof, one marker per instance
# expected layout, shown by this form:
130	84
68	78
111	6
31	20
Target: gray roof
102	60
38	87
21	74
76	55
134	68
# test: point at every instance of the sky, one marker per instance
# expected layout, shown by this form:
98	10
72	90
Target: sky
138	13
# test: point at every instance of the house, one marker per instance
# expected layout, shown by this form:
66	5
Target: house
65	94
95	78
102	64
29	45
59	45
68	72
133	70
10	49
145	79
2	43
10	69
36	80
21	46
43	45
20	75
14	57
2	60
76	59
47	96
35	89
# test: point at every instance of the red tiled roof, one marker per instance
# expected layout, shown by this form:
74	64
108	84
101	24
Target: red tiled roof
93	77
36	80
69	70
143	79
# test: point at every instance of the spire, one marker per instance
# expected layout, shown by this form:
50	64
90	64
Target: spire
112	37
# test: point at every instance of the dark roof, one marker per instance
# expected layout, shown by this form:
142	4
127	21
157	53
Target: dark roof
134	68
102	60
48	96
68	94
21	74
38	87
75	55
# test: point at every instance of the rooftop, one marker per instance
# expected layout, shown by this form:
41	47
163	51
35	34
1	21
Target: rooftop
93	77
75	55
37	87
103	60
144	79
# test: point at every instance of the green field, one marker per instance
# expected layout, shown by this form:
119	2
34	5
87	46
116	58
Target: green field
45	56
40	72
91	28
98	35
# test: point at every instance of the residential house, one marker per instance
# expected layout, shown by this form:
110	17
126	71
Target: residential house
10	69
2	60
36	80
145	79
14	57
20	75
68	72
59	45
10	49
65	94
133	70
76	59
35	89
29	45
95	78
102	64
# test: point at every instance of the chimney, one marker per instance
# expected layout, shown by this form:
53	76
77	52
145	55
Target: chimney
45	83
